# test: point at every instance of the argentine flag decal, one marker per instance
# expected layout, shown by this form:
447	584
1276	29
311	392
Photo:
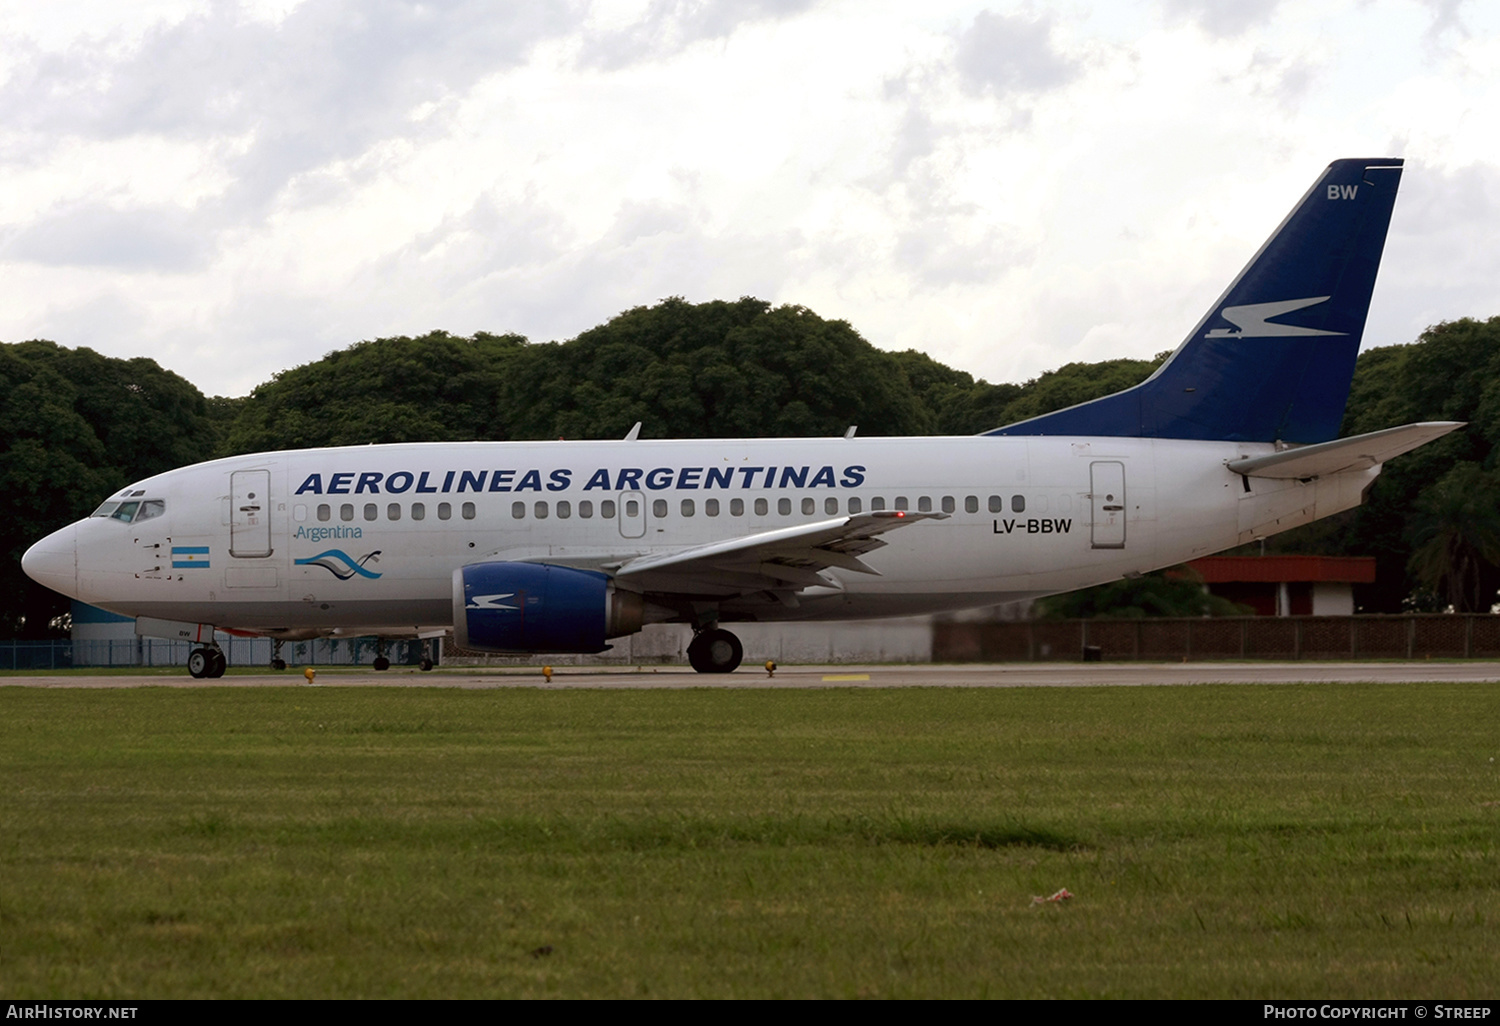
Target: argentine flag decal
188	557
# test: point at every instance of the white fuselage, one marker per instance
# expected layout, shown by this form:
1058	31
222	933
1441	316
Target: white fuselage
368	537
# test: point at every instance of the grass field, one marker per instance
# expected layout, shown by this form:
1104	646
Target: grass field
1237	841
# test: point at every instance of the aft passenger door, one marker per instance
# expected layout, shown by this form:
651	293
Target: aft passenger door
1107	496
250	514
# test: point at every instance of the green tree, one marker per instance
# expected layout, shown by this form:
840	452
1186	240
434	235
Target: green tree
1075	383
76	426
434	388
1455	538
716	369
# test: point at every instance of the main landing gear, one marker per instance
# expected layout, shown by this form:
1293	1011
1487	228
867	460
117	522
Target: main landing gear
207	662
715	651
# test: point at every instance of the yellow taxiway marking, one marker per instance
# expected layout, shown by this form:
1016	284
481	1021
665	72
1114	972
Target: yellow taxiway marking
847	676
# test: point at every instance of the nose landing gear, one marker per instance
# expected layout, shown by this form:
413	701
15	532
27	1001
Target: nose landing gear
715	651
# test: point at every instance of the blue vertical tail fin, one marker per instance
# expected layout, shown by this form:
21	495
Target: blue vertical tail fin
1272	360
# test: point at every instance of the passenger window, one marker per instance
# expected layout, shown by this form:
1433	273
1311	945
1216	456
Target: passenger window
855	505
948	506
540	509
607	509
784	507
445	511
971	504
710	507
586	509
393	511
468	511
762	507
901	502
877	504
997	504
346	511
418	511
126	512
924	504
687	507
659	508
518	510
809	506
830	506
1018	504
325	511
736	507
564	509
152	508
371	511
632	507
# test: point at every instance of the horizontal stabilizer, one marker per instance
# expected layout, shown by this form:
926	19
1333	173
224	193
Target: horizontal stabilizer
1358	453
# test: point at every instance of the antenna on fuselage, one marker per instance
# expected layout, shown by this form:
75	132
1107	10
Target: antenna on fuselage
852	428
633	433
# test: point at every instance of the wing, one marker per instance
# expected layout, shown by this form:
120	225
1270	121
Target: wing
790	558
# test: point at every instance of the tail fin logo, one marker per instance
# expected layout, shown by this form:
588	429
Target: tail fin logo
1254	320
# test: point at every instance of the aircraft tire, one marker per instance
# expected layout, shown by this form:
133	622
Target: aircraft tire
200	663
278	664
715	651
217	663
426	665
382	663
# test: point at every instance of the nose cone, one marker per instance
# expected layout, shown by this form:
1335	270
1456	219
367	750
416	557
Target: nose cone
53	561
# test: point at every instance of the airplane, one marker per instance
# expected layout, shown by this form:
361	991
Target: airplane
559	547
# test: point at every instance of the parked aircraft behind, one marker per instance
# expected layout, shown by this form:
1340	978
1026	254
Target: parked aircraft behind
552	547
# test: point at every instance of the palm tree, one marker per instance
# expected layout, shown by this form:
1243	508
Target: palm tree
1456	538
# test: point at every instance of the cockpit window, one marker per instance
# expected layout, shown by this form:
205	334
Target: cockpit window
146	509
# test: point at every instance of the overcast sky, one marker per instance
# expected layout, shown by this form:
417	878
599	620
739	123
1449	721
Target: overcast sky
235	189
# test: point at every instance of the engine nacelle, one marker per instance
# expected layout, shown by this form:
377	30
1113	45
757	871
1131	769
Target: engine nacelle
535	607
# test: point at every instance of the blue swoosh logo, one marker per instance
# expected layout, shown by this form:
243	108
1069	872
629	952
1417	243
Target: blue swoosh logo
340	564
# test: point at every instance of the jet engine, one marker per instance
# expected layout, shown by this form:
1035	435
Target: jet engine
536	607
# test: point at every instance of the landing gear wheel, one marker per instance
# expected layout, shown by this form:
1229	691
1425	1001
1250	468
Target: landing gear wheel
426	665
382	663
200	663
278	664
715	651
218	663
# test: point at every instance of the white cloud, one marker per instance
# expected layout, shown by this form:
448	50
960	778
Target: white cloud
145	238
1223	19
236	189
1011	53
